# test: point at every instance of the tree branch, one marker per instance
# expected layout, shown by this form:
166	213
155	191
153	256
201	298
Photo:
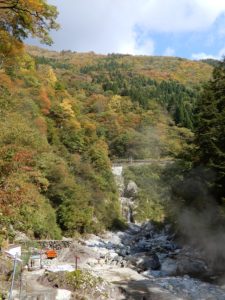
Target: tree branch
8	5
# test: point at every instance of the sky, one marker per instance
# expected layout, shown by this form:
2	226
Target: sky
194	29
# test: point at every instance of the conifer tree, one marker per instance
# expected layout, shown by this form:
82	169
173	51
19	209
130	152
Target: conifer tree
210	131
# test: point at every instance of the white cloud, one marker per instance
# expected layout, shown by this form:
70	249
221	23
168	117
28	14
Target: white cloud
106	26
202	55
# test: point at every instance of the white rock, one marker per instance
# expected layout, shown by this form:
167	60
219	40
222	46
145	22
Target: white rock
117	170
59	268
63	294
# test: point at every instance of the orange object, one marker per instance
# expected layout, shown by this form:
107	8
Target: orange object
51	253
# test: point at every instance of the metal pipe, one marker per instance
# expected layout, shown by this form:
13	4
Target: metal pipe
13	277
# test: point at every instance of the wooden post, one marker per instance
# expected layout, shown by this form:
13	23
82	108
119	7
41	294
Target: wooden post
41	252
76	262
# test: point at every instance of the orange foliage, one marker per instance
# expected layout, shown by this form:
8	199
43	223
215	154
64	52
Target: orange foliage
23	156
10	199
14	159
98	102
5	81
45	102
13	194
41	125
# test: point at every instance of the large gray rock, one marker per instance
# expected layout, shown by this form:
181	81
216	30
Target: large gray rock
183	266
190	266
169	267
149	263
131	189
145	261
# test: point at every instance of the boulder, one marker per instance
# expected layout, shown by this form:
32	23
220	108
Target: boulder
191	266
146	262
183	266
21	237
169	267
131	189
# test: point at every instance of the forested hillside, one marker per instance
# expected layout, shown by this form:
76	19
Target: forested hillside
66	116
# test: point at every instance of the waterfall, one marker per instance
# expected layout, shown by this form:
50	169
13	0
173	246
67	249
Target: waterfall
126	202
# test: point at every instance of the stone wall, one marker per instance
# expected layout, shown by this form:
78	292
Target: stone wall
51	244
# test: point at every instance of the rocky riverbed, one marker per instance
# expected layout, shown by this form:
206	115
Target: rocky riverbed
145	262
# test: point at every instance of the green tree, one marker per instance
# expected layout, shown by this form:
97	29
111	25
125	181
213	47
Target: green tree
210	137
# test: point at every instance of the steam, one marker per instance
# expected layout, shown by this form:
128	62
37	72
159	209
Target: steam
199	229
202	223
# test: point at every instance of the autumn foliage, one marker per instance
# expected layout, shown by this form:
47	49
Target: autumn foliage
64	118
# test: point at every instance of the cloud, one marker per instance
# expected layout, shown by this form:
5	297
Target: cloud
202	55
107	26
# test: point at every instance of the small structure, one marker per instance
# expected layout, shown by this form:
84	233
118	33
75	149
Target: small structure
34	262
51	253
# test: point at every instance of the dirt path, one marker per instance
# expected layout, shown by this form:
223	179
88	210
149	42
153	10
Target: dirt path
33	290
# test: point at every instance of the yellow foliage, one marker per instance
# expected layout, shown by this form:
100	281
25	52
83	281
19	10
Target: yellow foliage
47	74
115	103
66	105
27	63
89	125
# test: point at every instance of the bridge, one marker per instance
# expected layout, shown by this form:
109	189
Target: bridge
139	162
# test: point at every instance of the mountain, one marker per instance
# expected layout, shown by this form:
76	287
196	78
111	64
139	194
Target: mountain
66	116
